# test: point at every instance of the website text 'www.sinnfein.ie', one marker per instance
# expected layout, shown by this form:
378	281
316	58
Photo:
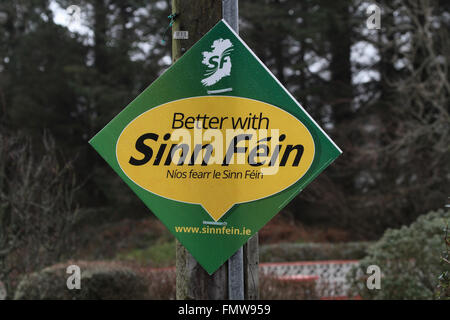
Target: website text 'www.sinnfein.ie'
230	231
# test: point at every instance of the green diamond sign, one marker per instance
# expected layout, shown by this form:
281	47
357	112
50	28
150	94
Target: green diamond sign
215	147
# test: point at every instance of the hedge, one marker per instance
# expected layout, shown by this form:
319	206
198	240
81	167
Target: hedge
409	259
285	252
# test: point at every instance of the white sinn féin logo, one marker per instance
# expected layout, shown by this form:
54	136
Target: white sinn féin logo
218	61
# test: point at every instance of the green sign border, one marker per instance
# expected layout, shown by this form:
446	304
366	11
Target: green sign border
249	78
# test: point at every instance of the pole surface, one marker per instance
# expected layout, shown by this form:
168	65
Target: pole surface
236	262
192	281
238	277
230	13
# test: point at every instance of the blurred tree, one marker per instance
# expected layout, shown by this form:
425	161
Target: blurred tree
34	53
123	56
389	125
37	207
73	84
403	150
307	45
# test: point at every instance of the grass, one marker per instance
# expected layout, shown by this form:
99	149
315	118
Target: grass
158	255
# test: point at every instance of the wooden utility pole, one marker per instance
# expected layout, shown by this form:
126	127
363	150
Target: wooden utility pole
238	277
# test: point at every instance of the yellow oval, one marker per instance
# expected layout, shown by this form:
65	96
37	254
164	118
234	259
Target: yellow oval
234	171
